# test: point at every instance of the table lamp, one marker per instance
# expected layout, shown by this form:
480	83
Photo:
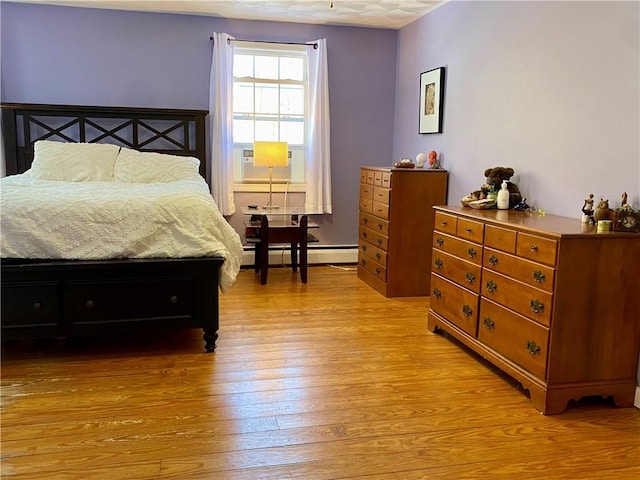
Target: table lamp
270	154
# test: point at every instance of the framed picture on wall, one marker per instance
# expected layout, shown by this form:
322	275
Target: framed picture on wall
431	101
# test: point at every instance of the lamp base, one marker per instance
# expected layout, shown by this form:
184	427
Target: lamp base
270	207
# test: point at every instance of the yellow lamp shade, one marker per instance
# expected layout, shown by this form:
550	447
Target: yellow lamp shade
270	154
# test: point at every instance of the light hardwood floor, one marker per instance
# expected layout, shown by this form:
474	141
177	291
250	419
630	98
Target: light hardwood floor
328	380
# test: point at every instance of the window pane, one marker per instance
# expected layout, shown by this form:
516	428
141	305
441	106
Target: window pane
292	132
243	66
242	131
292	99
266	98
266	67
267	129
243	97
291	68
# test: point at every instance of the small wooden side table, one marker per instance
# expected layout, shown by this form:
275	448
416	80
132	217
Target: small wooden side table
285	227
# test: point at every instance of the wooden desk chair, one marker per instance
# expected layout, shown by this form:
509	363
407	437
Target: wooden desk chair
296	234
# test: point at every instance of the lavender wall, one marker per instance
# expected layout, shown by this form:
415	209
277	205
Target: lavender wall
52	54
549	88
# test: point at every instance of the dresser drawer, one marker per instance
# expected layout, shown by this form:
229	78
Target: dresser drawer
366	191
381	194
377	178
458	305
537	248
366	204
469	251
386	179
371	266
374	238
457	270
521	340
33	303
446	223
144	299
470	230
374	223
380	210
500	238
375	253
528	301
531	273
366	176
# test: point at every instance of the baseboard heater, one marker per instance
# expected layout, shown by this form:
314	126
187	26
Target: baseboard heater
316	255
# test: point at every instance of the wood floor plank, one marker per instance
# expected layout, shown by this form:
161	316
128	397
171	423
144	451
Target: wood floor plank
328	380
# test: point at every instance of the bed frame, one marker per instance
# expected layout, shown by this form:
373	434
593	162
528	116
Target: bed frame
54	298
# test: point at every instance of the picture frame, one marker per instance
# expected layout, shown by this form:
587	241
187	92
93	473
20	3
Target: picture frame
431	101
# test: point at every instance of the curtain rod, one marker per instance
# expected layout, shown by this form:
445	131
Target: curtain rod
315	45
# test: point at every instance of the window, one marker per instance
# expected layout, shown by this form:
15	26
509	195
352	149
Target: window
269	95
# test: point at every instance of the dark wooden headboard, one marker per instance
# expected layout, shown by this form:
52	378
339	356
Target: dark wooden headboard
175	132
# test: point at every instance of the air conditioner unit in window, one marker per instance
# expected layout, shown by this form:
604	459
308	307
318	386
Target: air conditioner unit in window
251	173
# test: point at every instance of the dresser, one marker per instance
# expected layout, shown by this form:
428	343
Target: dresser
546	299
395	228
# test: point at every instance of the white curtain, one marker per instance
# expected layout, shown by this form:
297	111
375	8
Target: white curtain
318	167
221	123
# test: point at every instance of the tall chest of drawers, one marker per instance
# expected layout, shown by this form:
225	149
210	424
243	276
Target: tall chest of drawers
547	299
395	228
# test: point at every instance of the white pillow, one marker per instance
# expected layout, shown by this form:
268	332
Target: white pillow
74	162
149	167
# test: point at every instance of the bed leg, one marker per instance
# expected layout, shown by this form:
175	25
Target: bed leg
210	341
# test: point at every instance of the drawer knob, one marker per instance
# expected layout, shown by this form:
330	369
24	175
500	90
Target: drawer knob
538	276
173	299
534	248
472	252
364	248
437	263
365	220
536	306
532	347
444	223
380	226
467	311
377	271
439	241
437	293
378	256
89	304
468	229
37	306
470	277
379	241
364	234
492	286
363	261
493	260
488	323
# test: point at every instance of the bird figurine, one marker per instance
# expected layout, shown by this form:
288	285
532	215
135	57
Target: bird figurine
602	210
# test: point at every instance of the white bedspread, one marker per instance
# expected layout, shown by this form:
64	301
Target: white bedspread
105	220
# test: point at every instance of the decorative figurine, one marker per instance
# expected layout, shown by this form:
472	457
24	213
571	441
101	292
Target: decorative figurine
587	210
433	159
602	210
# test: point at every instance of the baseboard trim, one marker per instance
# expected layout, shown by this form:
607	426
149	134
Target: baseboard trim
317	255
636	400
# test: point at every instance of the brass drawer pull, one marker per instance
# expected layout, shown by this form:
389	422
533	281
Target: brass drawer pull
379	241
493	260
89	304
439	241
378	256
470	277
536	306
363	262
437	293
377	271
488	323
173	299
467	310
364	234
365	220
471	253
533	348
492	286
380	226
437	263
364	248
37	306
468	230
538	276
444	223
534	248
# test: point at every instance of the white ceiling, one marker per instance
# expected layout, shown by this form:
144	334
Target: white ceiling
392	14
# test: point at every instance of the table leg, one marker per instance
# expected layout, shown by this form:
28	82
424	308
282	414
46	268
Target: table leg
303	249
294	256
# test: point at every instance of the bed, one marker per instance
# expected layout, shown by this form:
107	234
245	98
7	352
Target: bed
108	226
